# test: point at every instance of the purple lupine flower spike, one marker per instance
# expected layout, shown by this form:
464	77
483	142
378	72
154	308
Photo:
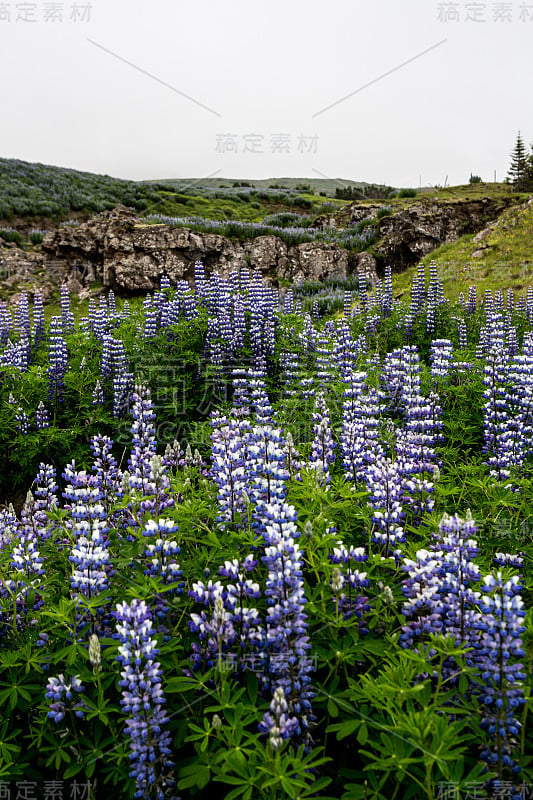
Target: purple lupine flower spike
143	700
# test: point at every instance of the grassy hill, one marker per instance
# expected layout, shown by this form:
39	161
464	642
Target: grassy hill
38	191
328	186
501	257
470	191
28	189
244	205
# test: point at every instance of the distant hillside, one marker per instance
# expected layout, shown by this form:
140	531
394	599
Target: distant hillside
41	190
317	185
47	193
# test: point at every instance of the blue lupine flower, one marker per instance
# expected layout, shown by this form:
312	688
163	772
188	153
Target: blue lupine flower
45	492
322	447
500	650
232	635
160	557
439	587
384	482
143	442
90	552
22	316
286	625
277	722
228	438
38	331
347	581
42	418
67	317
25	567
105	468
60	691
265	459
360	420
98	395
143	700
441	355
58	361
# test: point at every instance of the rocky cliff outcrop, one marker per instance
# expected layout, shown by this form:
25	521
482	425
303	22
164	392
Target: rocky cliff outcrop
409	234
125	253
30	271
413	233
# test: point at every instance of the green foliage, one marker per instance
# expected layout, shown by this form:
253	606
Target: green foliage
400	721
37	190
10	235
390	722
367	192
36	237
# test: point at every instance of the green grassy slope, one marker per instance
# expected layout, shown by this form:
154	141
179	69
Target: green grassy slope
31	191
502	259
28	189
237	205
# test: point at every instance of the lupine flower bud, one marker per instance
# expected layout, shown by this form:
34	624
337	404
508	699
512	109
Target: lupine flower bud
95	652
337	580
157	468
386	594
125	484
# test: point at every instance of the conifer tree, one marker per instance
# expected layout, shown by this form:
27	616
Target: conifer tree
521	169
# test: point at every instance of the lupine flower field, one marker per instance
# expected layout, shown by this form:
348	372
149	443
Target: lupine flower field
257	548
290	228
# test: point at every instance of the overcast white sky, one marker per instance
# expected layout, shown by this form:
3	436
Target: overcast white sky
261	75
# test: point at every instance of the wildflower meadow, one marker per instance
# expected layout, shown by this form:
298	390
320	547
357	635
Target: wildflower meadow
260	544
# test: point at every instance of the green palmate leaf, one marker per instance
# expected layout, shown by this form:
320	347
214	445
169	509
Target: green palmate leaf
194	775
177	684
74	769
333	710
236	761
246	793
344	729
252	686
233	780
362	734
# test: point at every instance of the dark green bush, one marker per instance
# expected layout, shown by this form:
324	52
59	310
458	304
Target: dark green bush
10	235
